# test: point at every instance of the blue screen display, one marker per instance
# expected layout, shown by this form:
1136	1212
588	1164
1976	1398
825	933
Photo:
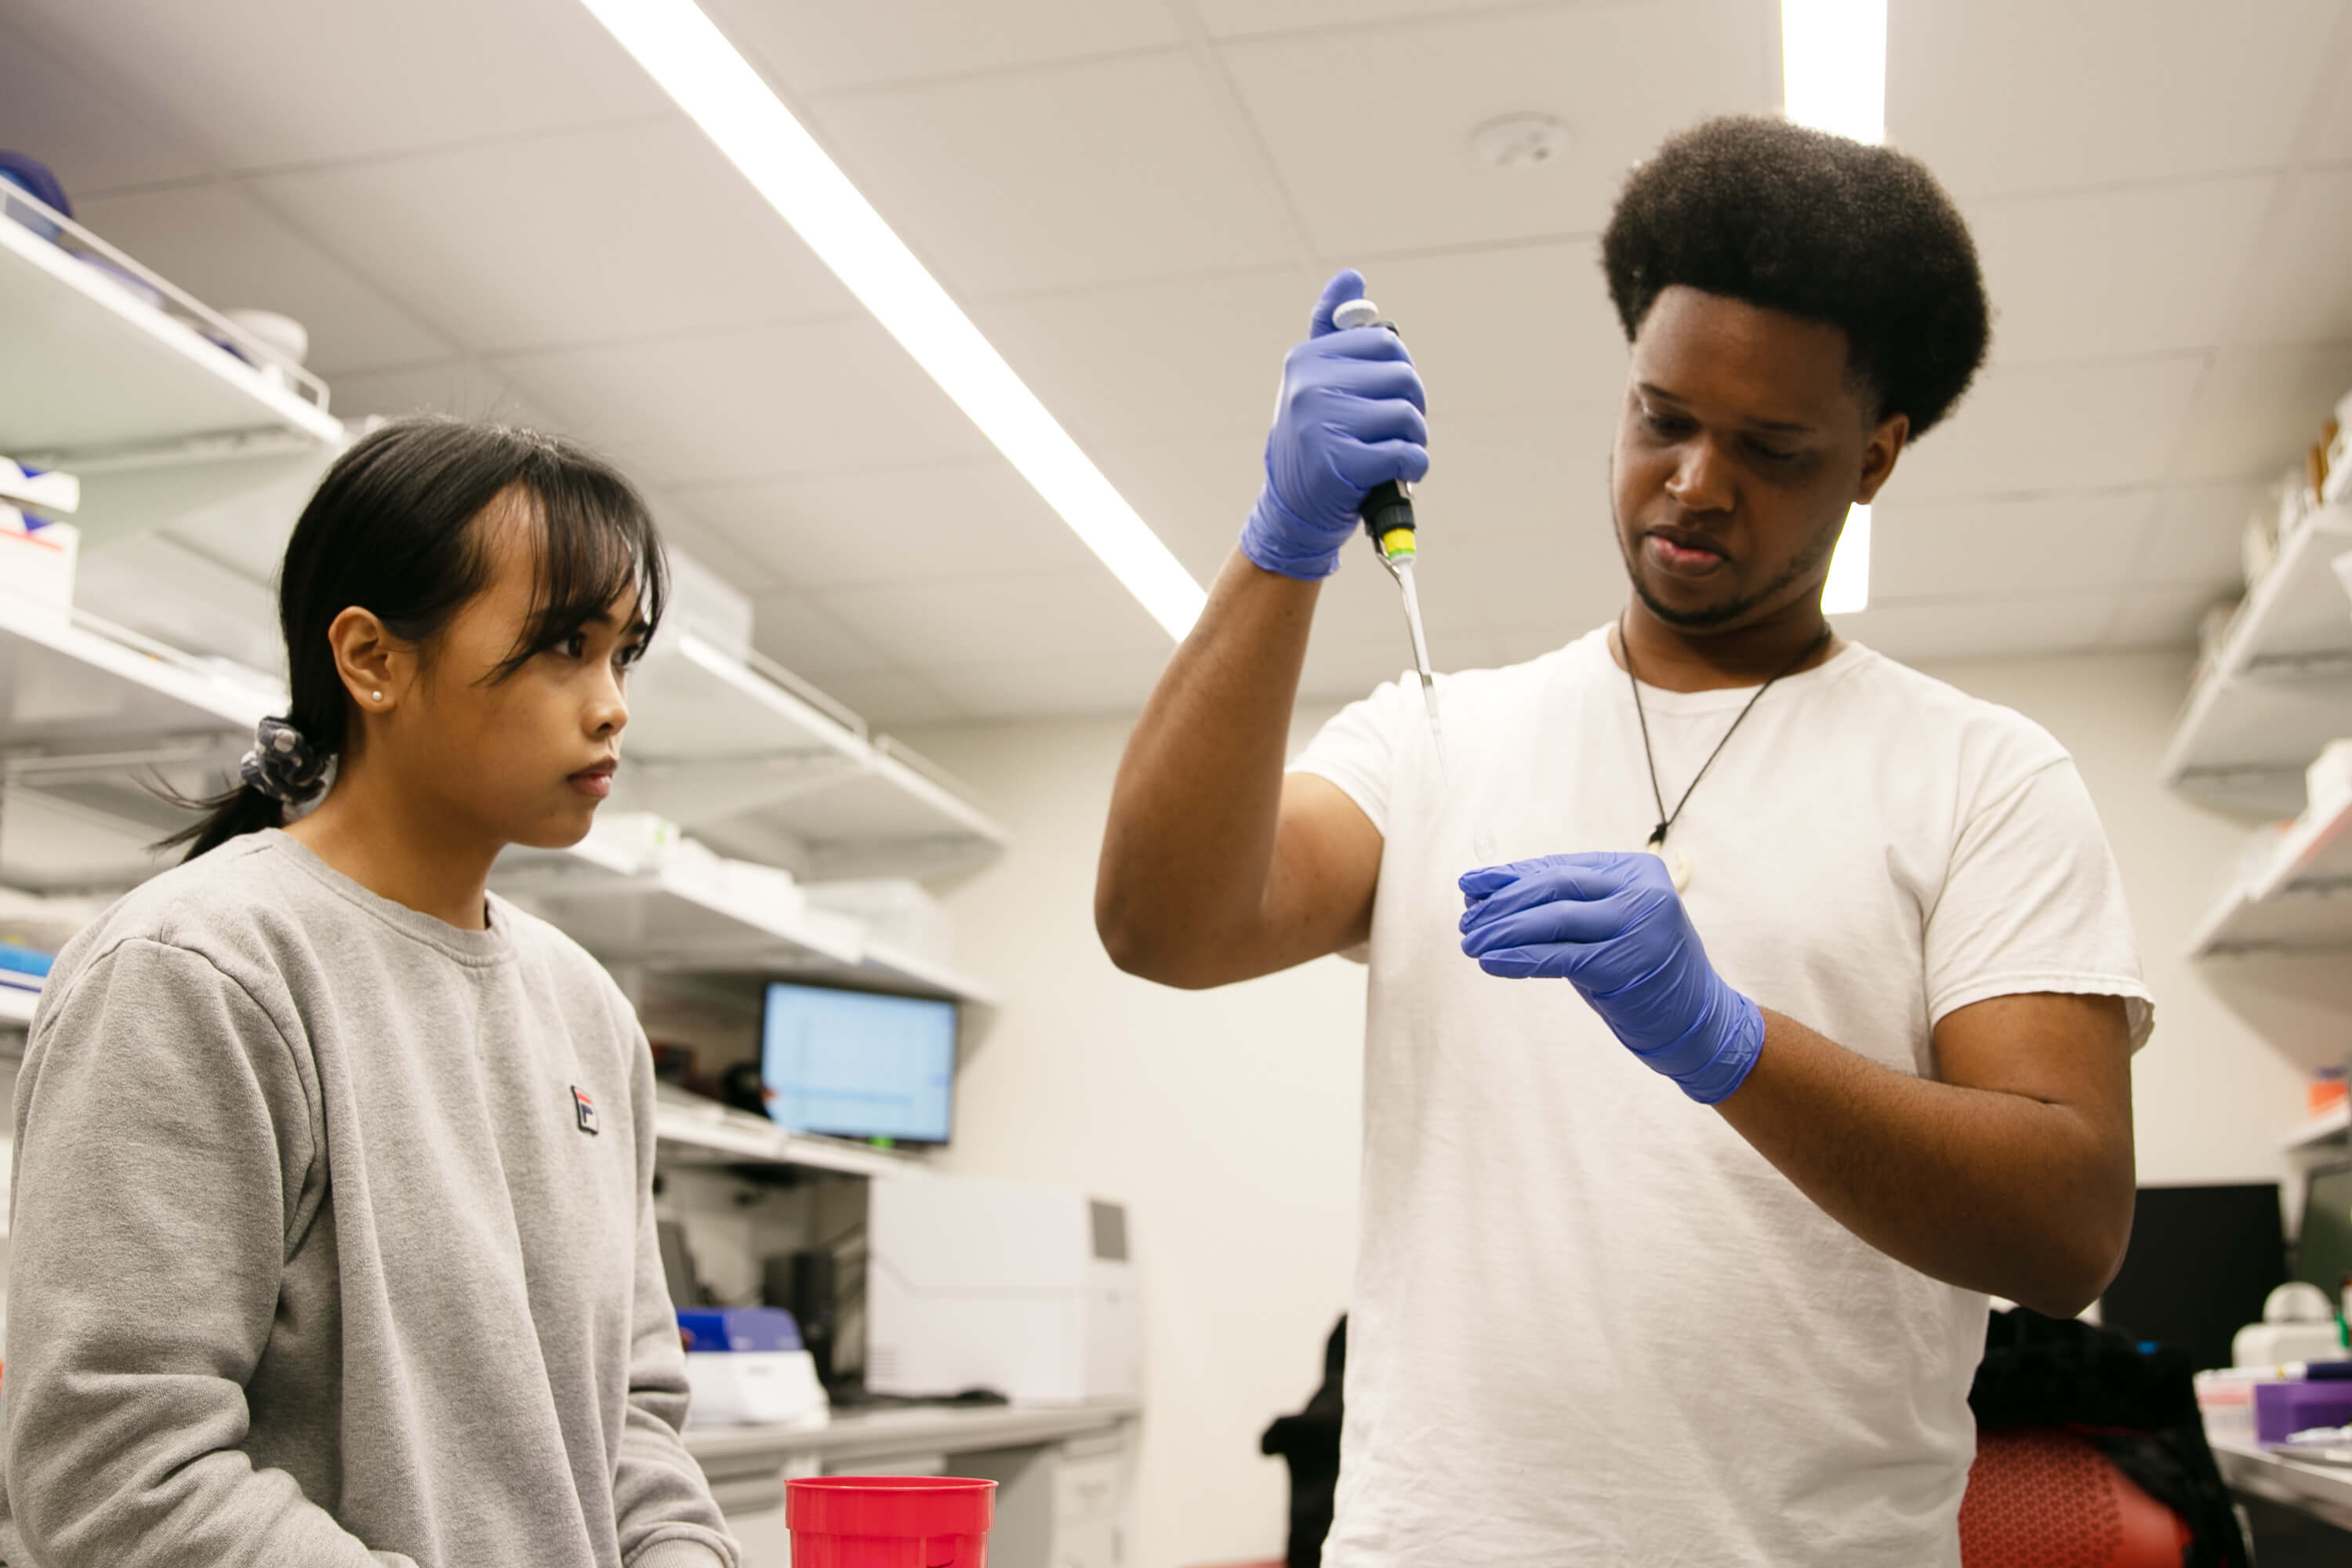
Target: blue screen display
856	1065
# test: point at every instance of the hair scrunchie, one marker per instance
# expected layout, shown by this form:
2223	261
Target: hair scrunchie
282	764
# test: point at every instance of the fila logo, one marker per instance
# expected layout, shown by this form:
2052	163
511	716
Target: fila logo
586	1107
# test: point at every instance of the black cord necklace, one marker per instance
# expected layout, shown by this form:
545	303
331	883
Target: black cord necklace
1656	843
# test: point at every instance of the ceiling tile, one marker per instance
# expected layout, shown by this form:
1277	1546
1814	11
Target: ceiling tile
1038	689
2161	617
2300	287
2054	427
684	530
1194	494
894	525
1078	616
535	243
801	398
1525	331
92	142
803	637
1155	361
2094	274
2195	538
1519	524
2332	129
2020	95
1986	627
273	82
2006	544
888	698
1127	168
1240	18
1403	177
220	246
814	46
2261	409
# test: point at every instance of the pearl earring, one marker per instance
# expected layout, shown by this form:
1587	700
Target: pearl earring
375	696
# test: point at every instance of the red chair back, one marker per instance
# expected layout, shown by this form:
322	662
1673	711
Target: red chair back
2041	1498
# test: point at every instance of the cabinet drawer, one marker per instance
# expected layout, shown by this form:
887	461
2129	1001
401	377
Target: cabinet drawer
1086	1489
1093	1543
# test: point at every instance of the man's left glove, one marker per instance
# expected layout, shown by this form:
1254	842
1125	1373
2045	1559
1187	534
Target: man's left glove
1612	926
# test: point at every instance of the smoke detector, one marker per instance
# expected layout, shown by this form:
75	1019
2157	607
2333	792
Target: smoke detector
1519	141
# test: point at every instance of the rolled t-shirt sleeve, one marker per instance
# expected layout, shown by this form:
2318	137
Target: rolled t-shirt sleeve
2033	902
1357	749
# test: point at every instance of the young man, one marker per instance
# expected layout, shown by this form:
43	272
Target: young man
1596	1321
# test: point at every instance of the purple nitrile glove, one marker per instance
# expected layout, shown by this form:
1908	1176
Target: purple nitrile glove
1352	415
1612	926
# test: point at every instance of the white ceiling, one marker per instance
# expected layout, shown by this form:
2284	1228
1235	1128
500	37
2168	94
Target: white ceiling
483	205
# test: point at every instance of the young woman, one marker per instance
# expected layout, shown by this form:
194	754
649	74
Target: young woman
333	1237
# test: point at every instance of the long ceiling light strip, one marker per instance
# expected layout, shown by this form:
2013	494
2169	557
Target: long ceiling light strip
1833	78
694	63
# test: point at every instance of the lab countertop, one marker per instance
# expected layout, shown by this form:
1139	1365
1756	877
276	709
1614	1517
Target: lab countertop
738	1460
2324	1491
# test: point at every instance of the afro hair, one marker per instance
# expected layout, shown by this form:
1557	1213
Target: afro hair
1816	225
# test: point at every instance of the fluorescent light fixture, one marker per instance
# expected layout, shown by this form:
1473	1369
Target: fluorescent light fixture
1833	65
695	64
1848	588
1833	78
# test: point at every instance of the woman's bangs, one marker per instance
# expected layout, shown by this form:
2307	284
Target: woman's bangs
598	543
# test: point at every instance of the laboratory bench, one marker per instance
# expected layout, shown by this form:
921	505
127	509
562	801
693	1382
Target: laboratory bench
1062	1472
2323	1491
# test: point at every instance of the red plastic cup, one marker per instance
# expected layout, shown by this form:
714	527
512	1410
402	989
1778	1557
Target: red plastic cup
889	1521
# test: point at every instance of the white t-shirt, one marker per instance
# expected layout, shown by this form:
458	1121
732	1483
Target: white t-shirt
1590	1323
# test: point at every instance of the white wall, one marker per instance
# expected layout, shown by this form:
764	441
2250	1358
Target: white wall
1225	1121
1228	1121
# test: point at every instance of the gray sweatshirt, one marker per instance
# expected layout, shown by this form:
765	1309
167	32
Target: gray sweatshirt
334	1247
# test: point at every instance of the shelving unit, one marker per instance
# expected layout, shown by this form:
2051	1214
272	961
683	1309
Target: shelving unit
664	918
87	712
748	760
96	368
2329	1126
117	376
696	1131
2279	688
2302	900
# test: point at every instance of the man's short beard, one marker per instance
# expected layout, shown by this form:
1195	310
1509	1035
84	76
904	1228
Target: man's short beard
1720	615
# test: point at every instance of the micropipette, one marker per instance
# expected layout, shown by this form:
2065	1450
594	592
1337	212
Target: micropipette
1387	512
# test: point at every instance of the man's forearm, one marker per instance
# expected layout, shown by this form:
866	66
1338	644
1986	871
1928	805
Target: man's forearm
1198	800
1981	1188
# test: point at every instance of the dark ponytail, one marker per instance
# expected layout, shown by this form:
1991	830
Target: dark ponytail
390	529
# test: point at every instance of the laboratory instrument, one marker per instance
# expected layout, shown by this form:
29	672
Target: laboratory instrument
746	1364
1020	1286
1388	514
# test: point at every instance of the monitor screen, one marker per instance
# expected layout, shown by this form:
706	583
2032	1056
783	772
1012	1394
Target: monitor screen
2323	1247
853	1064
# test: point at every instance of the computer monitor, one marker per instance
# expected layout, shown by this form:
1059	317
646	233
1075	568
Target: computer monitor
856	1064
2323	1245
2201	1262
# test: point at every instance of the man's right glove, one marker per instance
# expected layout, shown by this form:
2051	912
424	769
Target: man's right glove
1352	415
